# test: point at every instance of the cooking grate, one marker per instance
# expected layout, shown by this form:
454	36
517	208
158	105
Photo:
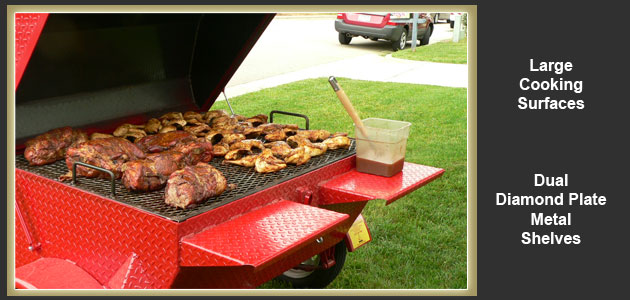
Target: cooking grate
247	181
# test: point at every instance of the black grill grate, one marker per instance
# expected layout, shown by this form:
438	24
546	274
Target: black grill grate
247	181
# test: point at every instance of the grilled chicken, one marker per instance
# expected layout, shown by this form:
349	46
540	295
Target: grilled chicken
151	173
337	142
236	154
280	148
209	115
108	154
267	163
52	145
314	135
313	149
257	120
153	126
163	141
193	185
130	132
297	156
245	161
248	145
198	129
96	136
220	149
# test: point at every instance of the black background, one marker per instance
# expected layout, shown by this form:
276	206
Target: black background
590	145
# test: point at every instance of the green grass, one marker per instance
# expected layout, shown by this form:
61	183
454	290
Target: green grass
419	242
442	52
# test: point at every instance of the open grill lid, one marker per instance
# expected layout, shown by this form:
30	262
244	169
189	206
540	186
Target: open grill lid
97	71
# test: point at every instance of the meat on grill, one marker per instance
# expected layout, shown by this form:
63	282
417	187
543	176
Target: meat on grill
193	185
152	173
110	154
52	145
163	141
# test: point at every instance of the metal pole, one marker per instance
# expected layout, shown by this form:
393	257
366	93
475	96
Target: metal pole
414	35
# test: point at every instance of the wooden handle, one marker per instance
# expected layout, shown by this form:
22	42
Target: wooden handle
345	101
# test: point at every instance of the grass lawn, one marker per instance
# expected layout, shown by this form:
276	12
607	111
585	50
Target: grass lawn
442	52
419	242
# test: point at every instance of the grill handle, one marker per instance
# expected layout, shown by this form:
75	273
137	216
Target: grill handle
111	174
290	114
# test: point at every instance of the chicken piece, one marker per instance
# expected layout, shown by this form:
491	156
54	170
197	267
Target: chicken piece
231	138
108	154
153	126
193	185
220	149
297	156
277	135
198	130
246	161
252	132
224	122
130	132
214	137
52	145
209	115
248	145
280	148
257	120
96	136
336	134
239	118
236	154
337	142
169	128
173	119
313	149
271	127
151	173
314	135
193	117
163	141
267	163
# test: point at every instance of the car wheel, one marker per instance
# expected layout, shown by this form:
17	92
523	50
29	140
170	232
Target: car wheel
344	39
401	42
426	37
452	23
316	279
374	39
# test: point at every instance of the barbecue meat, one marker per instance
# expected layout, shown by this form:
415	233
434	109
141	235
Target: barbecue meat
108	154
246	161
314	135
297	156
248	144
152	173
313	149
337	142
52	145
194	184
267	163
163	141
197	150
280	149
257	120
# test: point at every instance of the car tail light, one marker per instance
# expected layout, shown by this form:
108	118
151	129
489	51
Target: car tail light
341	16
391	23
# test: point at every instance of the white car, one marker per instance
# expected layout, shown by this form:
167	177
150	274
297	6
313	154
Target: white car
440	17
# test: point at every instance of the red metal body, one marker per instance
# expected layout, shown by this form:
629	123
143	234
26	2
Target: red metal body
94	242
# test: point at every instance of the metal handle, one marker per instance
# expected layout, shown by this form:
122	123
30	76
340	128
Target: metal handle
111	174
290	114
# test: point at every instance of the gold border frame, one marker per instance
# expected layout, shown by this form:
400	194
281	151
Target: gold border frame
471	159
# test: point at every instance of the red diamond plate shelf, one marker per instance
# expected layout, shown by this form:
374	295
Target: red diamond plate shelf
259	237
355	186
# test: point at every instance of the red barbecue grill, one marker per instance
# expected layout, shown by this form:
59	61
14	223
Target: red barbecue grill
98	71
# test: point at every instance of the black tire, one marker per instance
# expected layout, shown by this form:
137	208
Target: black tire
426	37
374	39
400	42
452	23
318	279
343	39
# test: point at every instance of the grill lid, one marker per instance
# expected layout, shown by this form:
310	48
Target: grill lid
97	71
